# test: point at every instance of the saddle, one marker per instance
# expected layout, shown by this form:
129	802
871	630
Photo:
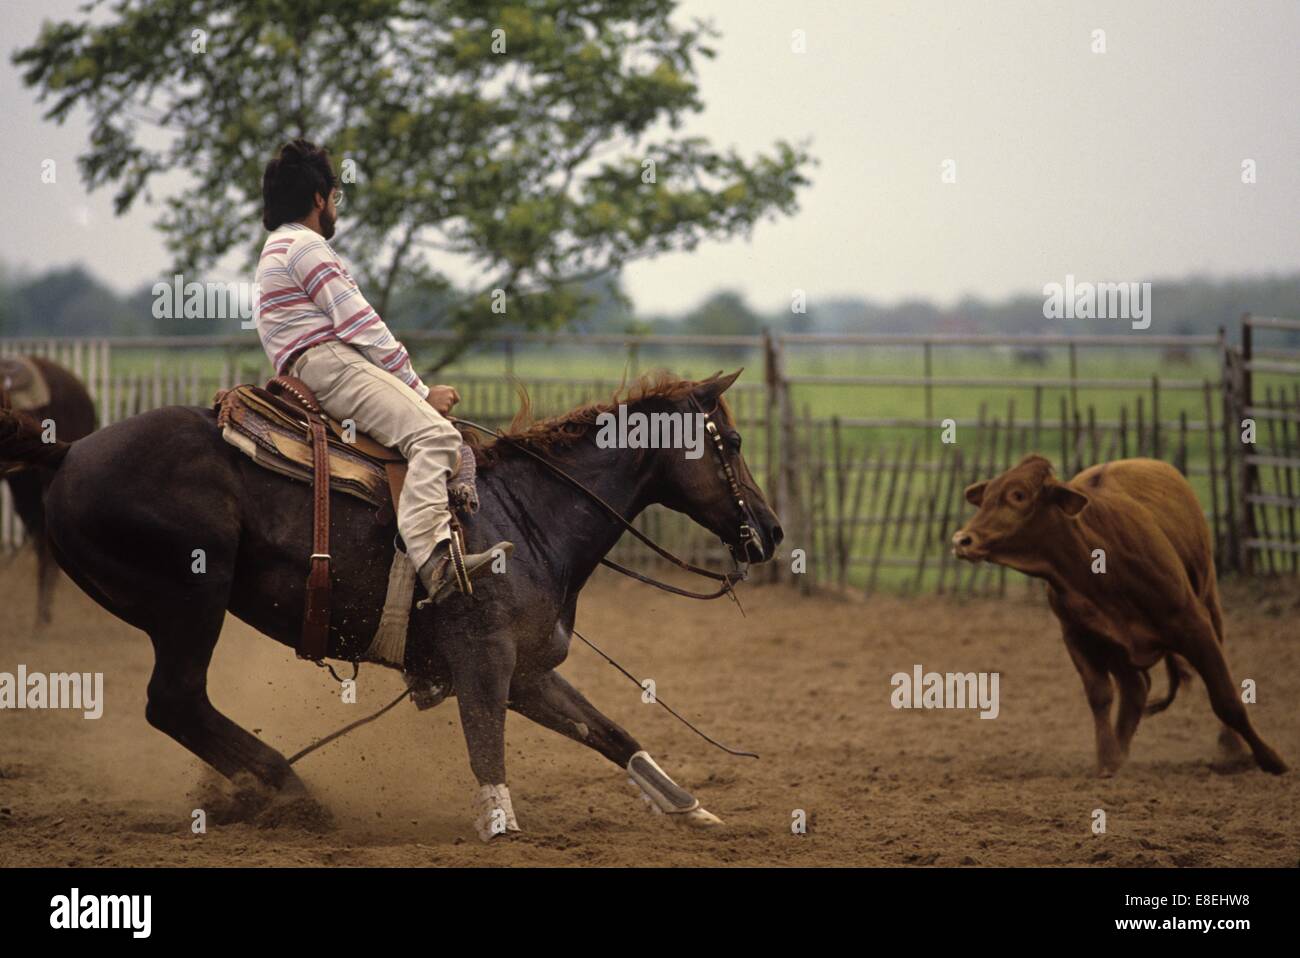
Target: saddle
23	384
283	428
275	432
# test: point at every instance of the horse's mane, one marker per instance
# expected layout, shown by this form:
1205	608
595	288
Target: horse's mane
559	432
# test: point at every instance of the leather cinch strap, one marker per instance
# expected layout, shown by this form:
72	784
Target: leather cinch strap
314	643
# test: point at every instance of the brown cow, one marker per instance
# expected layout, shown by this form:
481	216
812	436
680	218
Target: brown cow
1157	597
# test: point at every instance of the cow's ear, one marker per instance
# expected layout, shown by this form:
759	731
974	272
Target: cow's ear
1069	500
975	493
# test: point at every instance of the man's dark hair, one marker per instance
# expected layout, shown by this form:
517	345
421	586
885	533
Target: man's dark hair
296	174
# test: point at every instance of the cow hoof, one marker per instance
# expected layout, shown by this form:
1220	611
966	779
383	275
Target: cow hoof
1233	764
1107	772
1272	763
1231	745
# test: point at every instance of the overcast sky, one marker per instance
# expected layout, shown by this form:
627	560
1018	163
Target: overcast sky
1116	166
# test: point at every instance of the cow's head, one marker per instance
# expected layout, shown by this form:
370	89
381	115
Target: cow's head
1018	511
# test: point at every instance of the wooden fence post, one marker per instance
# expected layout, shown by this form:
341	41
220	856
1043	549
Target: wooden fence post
1219	544
1249	476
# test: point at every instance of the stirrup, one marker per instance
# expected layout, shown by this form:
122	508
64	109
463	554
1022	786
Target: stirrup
461	573
456	549
461	567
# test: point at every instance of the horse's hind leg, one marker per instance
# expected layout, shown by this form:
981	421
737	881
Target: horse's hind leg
47	577
26	490
552	702
179	706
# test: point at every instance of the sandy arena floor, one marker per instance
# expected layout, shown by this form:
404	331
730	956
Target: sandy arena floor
804	682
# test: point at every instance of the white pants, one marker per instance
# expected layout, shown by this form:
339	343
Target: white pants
348	386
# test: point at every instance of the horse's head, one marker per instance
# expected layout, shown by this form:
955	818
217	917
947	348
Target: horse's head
705	475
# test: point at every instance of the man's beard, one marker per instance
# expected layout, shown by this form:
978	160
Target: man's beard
326	224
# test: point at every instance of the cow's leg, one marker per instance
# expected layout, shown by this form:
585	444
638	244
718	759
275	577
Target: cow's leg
1134	685
481	671
1231	745
1202	649
1097	687
552	702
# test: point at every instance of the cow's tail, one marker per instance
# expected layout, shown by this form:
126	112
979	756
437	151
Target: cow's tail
24	445
1177	673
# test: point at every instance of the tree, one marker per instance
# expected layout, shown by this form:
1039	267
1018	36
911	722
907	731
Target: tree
536	141
723	314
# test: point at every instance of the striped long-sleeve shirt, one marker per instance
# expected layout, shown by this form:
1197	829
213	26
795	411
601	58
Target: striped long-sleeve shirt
307	297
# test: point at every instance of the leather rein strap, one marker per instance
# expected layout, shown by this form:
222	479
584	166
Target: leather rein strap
314	643
728	579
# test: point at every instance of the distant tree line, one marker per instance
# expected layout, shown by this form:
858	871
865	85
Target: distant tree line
69	301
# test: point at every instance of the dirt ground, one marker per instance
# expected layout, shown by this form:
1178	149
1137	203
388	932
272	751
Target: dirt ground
805	682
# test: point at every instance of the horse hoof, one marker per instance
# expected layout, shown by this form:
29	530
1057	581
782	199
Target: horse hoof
698	817
500	838
296	811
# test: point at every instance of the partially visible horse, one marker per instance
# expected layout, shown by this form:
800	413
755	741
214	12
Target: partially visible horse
129	505
55	395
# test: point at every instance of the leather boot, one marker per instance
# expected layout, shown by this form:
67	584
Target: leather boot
439	576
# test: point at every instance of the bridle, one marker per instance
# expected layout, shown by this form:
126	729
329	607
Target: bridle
745	532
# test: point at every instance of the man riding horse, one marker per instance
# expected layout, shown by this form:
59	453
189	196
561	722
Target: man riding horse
128	506
316	326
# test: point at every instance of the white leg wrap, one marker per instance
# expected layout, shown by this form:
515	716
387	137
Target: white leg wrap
664	795
496	814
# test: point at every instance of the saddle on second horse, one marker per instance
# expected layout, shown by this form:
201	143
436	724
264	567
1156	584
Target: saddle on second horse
22	384
283	428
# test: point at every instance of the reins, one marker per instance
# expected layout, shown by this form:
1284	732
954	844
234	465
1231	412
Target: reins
658	701
728	579
347	728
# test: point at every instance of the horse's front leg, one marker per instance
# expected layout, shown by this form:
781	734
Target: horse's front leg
482	673
552	702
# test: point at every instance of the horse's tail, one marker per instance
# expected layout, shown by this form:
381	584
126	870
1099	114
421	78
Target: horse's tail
1176	676
23	444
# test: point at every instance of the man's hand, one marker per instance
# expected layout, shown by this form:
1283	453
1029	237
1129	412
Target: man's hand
442	398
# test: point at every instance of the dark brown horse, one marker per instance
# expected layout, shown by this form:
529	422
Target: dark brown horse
130	508
72	412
